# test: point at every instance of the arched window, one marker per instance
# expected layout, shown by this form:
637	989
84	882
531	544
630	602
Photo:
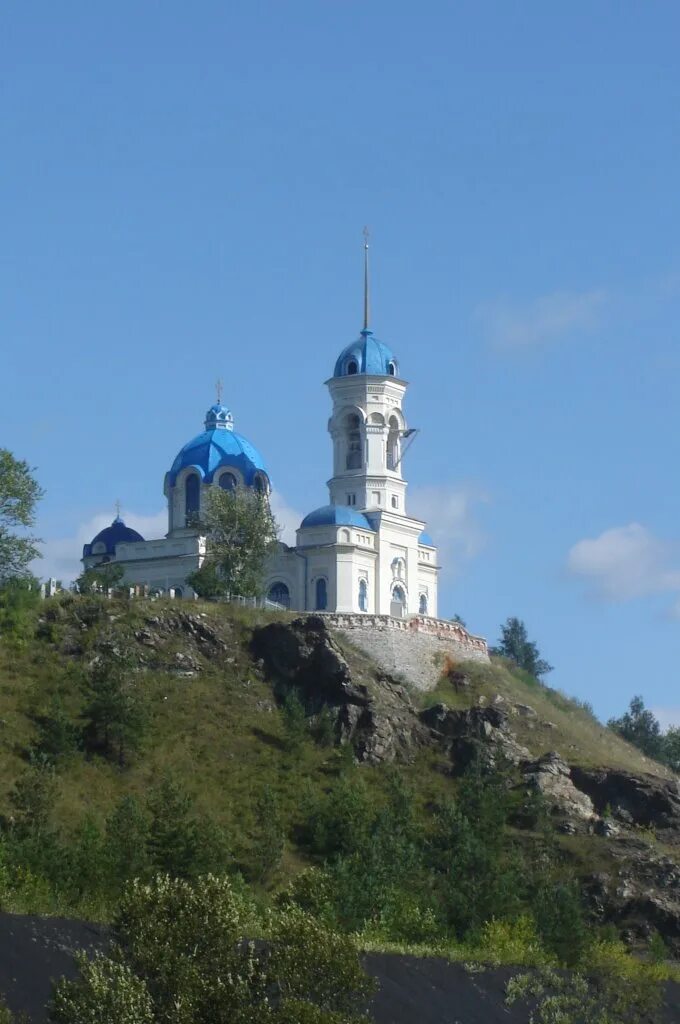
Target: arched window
398	605
352	367
393	443
192	498
354	443
228	482
321	594
392	369
280	594
178	593
422	604
363	596
260	483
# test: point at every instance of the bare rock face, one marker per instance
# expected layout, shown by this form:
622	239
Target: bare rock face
551	777
475	732
374	714
645	800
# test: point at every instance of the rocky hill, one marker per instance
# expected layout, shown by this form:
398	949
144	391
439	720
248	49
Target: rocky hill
216	678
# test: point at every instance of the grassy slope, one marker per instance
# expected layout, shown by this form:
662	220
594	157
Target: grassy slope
219	732
573	731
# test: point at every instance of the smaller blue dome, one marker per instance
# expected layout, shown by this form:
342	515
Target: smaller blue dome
366	355
426	540
336	515
116	533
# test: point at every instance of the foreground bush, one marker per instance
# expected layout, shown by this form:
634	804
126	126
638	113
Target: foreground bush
182	956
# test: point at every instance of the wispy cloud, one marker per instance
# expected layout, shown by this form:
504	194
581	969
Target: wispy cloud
548	317
626	562
288	518
451	516
61	555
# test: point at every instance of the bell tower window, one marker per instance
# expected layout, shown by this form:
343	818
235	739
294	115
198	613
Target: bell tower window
352	367
228	482
354	442
192	499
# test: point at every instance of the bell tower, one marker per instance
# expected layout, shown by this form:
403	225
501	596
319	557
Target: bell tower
367	425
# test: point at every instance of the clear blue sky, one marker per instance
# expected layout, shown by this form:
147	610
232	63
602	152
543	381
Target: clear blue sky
182	193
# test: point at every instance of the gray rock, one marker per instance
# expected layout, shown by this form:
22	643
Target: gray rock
551	777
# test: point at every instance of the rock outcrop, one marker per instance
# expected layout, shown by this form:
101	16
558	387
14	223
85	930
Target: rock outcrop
475	732
643	800
551	776
374	714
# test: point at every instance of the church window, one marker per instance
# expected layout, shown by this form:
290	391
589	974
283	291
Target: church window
351	499
352	367
344	536
422	604
192	498
279	594
363	596
354	443
395	501
321	594
391	369
393	444
260	484
398	606
377	498
228	482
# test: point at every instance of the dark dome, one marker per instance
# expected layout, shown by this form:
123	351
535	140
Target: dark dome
116	533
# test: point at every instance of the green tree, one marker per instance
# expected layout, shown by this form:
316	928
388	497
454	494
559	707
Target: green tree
182	958
58	736
173	841
515	645
671	748
268	838
19	495
105	576
241	531
640	727
126	851
295	724
115	709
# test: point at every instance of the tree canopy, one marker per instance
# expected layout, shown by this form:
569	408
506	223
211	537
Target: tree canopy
19	495
240	532
516	645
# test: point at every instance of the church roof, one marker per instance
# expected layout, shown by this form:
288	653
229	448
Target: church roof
367	355
219	445
116	533
336	515
426	540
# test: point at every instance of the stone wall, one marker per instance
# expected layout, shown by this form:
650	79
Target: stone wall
413	648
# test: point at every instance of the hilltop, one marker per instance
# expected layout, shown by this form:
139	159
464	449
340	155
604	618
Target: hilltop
241	703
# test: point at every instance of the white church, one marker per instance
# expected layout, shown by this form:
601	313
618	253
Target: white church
361	552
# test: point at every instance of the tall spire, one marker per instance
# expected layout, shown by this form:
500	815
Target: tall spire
366	289
219	387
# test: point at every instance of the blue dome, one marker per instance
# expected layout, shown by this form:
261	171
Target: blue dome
218	446
366	355
426	540
336	515
116	533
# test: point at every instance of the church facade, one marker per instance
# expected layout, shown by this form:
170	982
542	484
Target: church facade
360	553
